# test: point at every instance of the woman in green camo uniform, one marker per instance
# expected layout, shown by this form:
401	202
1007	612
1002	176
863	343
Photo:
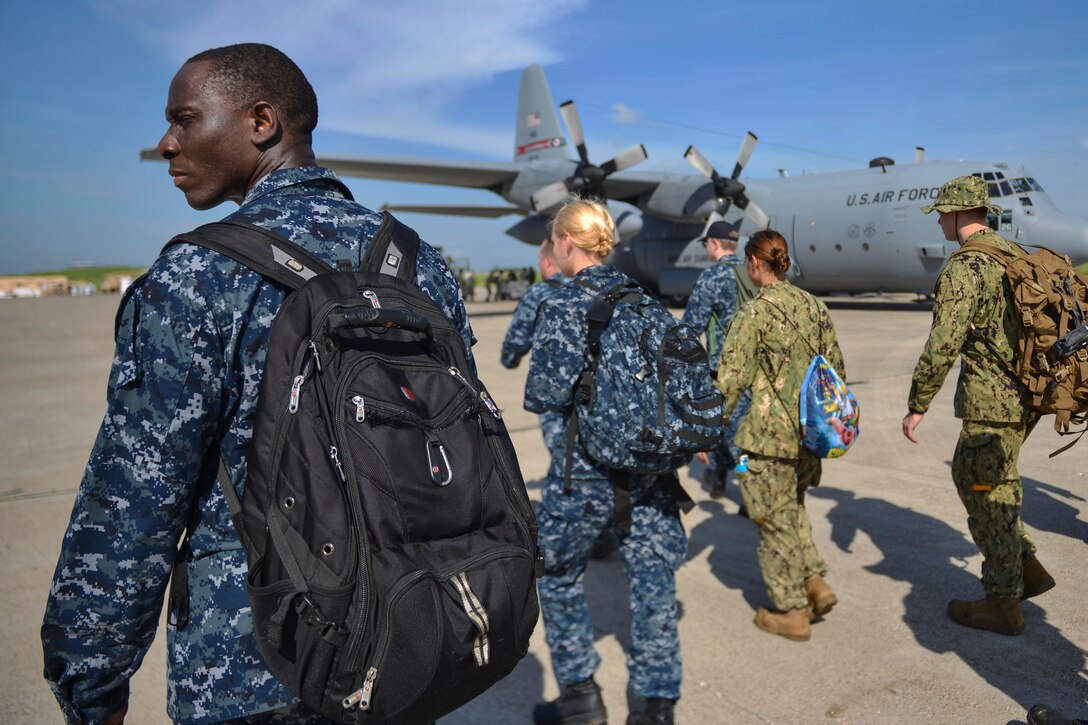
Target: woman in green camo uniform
767	350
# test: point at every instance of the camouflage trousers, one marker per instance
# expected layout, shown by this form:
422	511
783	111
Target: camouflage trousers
773	490
724	458
984	471
570	523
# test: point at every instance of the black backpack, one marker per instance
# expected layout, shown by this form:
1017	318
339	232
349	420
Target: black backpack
392	548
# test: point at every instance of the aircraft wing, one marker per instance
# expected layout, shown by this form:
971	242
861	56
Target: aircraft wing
490	175
487	212
628	187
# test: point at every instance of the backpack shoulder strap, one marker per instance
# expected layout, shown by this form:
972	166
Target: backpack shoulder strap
265	252
393	250
1003	256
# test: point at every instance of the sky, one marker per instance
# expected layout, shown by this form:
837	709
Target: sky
826	86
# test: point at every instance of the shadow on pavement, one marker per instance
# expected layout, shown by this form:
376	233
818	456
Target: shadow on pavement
931	557
734	541
1045	509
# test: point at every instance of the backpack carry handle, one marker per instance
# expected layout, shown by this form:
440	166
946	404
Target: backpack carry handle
363	316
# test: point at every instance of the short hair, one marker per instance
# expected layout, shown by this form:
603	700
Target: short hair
769	246
249	72
589	225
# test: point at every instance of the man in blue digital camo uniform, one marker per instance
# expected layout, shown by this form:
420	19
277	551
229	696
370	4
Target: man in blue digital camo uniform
571	521
191	340
710	309
974	319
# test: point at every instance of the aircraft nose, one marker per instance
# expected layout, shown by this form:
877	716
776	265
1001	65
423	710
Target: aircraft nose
1063	233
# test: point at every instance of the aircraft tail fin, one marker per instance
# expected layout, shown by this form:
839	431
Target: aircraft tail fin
538	134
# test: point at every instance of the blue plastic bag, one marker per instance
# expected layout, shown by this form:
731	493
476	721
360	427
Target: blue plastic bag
829	411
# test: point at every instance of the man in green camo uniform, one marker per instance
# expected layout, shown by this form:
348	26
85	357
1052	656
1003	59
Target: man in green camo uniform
767	351
974	316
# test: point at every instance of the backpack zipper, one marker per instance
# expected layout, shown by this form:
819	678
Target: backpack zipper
482	394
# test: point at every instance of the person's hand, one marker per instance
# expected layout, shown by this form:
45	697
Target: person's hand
703	458
910	422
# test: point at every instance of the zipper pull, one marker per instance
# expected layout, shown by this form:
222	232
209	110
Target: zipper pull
335	456
360	408
362	696
373	297
317	357
296	389
464	381
490	404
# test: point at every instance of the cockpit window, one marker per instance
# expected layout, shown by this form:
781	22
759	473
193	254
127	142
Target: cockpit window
994	191
988	176
1034	184
977	175
999	175
1021	186
1025	201
1005	188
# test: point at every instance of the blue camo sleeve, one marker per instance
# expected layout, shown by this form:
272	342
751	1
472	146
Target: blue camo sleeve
136	494
697	312
436	280
558	354
519	336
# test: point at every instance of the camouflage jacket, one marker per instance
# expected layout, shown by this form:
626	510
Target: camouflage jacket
560	354
713	302
191	339
767	350
973	318
519	336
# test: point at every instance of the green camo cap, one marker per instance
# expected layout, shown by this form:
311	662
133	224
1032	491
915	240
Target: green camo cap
962	193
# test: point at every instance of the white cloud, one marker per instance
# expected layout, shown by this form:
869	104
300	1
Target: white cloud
385	69
622	113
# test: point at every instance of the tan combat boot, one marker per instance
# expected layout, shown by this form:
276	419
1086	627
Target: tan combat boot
1036	579
820	597
996	615
793	624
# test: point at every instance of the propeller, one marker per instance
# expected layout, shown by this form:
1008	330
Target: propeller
727	188
587	181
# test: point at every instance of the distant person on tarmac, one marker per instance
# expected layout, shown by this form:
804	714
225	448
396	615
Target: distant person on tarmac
974	319
571	521
767	351
710	309
192	335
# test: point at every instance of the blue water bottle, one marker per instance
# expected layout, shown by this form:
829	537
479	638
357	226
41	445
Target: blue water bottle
742	464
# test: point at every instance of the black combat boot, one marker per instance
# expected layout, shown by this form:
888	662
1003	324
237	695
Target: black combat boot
577	704
1044	715
658	711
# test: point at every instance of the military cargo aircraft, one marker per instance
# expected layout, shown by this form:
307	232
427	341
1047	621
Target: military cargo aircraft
849	231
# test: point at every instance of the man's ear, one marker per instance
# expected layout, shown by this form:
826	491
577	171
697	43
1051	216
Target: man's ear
265	123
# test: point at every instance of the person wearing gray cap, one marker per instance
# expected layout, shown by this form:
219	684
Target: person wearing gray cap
710	308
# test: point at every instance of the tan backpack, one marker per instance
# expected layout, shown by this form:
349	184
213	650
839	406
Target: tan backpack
1051	297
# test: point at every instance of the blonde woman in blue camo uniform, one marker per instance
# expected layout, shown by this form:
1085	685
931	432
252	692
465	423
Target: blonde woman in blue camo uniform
571	521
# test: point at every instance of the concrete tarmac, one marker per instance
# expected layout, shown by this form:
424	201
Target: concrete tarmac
886	519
